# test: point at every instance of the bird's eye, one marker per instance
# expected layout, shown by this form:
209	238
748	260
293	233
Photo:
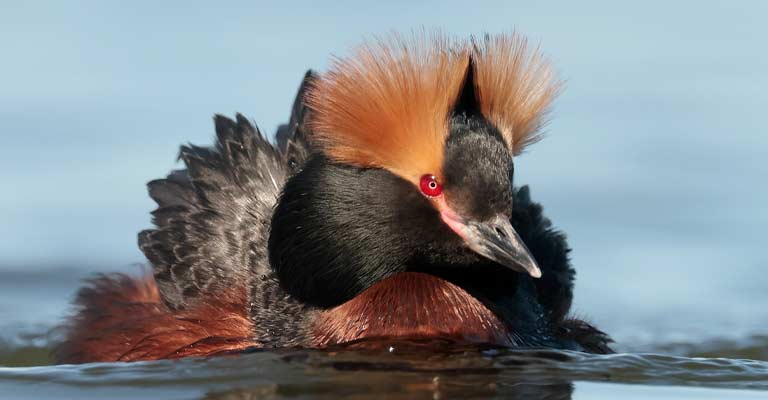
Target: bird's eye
429	186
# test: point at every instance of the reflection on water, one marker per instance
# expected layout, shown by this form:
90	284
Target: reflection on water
405	372
436	387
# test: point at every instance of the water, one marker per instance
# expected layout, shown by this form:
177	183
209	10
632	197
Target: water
654	166
398	374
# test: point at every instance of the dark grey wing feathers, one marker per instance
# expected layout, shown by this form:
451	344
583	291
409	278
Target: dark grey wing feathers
292	138
555	287
212	219
550	249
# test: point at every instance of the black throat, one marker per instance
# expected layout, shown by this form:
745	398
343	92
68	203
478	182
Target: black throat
338	229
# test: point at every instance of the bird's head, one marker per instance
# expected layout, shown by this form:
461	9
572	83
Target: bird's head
416	139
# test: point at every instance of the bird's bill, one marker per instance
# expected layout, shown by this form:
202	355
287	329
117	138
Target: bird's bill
496	240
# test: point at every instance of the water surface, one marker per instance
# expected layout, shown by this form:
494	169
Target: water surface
399	373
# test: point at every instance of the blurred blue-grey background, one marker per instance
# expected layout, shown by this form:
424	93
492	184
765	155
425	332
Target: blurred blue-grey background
654	163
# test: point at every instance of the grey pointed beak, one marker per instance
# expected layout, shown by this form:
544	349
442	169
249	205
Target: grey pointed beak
496	240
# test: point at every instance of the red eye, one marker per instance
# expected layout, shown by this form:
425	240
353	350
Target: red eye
430	187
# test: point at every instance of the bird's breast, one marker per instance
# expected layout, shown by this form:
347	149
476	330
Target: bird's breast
410	305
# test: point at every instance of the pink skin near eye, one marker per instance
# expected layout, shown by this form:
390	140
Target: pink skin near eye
434	190
453	221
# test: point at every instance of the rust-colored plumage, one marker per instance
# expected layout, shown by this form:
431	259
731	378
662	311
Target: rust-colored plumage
121	318
389	105
412	305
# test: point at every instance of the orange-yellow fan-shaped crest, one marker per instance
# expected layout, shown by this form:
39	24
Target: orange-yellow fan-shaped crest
389	105
515	87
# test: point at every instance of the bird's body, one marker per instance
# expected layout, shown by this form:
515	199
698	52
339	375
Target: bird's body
333	238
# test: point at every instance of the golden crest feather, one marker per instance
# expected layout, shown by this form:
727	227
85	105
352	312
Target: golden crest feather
515	87
389	105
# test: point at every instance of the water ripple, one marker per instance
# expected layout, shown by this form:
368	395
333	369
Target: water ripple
306	369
